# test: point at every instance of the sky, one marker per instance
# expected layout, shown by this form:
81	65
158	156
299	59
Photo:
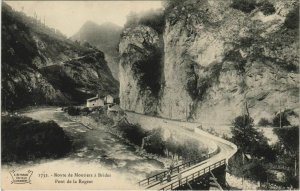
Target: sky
69	16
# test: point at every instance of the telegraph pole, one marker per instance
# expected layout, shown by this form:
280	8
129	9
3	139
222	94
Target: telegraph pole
279	112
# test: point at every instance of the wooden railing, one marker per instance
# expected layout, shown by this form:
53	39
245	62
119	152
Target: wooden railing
178	168
193	176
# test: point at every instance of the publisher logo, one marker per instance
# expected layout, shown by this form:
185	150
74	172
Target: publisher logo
21	177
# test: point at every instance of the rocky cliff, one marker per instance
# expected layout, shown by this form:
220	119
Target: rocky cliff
41	66
140	69
218	56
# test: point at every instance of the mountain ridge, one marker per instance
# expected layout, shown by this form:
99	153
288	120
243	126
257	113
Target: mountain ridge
41	66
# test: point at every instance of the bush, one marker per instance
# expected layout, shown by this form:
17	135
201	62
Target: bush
133	132
73	111
189	150
267	8
264	122
86	109
252	169
154	142
281	120
26	139
244	5
105	120
292	19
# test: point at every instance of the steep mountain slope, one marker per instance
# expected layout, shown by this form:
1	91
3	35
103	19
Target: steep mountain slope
106	38
220	55
40	66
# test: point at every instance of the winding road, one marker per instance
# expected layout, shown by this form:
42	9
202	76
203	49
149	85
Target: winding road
225	148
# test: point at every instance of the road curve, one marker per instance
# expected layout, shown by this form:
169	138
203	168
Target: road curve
226	148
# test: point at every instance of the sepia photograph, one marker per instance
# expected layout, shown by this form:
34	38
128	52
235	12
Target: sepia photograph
150	95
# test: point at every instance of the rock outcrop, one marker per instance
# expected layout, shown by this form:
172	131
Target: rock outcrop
217	58
140	69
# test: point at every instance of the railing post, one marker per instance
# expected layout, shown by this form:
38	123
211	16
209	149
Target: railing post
148	181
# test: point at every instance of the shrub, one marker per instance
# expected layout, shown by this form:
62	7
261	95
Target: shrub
154	142
86	109
252	169
73	111
264	122
105	120
292	19
281	120
190	150
244	5
267	8
26	139
133	132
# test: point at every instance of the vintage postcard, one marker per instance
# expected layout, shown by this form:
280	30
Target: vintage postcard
150	95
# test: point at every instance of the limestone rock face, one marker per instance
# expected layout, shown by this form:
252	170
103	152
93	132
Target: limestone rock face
139	75
216	59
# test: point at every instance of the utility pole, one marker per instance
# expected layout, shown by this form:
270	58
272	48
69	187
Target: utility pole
5	103
280	119
295	166
246	113
279	112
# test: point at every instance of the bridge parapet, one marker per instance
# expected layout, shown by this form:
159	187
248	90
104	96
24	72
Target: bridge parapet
191	177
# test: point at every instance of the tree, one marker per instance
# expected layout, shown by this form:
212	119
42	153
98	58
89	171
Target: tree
255	170
281	120
289	140
248	139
